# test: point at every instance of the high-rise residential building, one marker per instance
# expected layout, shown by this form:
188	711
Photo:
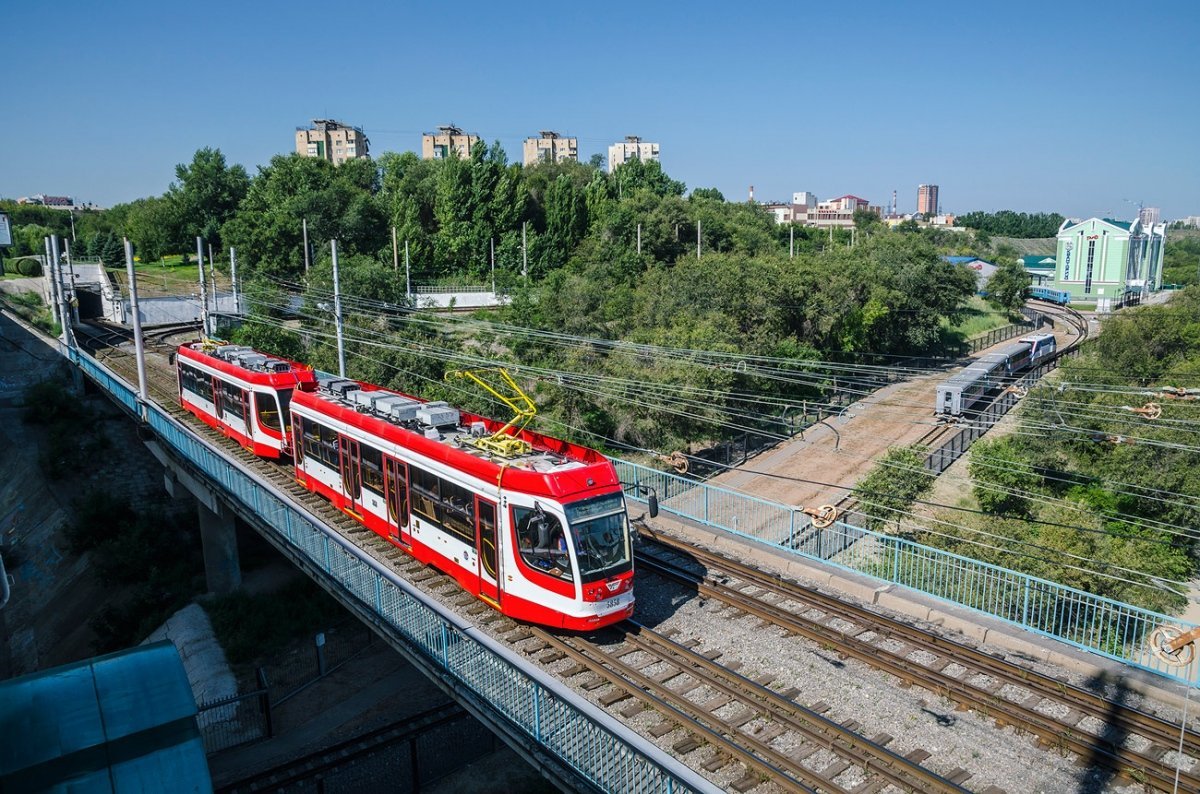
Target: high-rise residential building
438	145
632	148
927	200
1150	216
331	140
550	147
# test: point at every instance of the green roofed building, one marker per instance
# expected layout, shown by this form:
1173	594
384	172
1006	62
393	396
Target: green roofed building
1040	268
1101	259
125	722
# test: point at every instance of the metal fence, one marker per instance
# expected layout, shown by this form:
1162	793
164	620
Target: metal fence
998	335
1082	619
446	289
405	761
586	739
235	720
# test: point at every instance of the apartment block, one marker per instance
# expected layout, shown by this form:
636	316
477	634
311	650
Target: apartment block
438	145
927	200
632	148
550	147
332	140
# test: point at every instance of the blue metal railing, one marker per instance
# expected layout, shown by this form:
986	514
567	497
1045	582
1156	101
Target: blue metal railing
1094	623
600	750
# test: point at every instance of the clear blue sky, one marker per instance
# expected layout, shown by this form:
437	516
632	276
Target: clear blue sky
1069	106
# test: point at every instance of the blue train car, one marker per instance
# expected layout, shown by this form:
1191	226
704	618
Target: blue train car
1059	296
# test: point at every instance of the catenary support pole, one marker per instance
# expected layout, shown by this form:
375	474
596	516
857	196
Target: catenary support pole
792	241
337	312
212	278
493	243
639	239
64	295
524	253
697	239
139	345
67	254
237	301
304	223
407	273
203	289
52	281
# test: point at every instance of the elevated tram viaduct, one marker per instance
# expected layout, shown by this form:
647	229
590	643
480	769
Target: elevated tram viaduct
575	744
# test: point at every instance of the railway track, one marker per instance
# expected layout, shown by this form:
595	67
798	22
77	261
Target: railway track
729	719
1104	731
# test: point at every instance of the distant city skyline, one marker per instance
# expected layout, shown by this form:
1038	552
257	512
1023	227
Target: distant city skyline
990	126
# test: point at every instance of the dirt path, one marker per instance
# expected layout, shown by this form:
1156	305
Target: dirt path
843	450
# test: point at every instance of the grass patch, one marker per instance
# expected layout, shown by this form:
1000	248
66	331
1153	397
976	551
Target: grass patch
30	307
252	626
979	318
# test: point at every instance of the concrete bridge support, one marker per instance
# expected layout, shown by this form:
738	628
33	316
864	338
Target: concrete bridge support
218	526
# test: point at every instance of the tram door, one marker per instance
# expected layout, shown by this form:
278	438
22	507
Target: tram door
487	540
395	475
351	472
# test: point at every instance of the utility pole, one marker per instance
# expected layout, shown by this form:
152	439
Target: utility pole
792	241
639	239
697	239
524	253
493	243
139	347
395	252
304	224
337	313
203	289
407	273
67	254
237	303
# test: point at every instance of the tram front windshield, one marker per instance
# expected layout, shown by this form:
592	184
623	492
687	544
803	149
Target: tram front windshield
598	530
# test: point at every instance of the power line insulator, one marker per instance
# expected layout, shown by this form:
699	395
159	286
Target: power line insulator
1174	645
822	516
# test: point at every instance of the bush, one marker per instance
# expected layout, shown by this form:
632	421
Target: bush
890	488
252	626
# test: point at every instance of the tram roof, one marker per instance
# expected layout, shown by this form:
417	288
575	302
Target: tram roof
553	467
248	365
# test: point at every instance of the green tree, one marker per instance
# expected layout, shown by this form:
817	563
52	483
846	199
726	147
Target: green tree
888	491
206	194
1009	286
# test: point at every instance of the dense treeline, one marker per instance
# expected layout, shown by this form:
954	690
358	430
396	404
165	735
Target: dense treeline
1086	492
1007	223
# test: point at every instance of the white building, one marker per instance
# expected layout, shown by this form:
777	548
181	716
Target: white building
632	148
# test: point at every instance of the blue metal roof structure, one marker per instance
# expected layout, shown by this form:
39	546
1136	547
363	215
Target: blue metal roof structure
124	722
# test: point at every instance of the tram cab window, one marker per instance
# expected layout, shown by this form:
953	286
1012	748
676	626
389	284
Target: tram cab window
268	411
541	541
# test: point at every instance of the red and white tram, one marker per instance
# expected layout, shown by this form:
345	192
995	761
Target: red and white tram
542	536
242	393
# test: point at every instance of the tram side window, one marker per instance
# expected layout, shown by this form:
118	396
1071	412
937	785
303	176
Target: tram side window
310	438
327	447
195	381
541	541
268	411
233	400
458	511
372	469
443	503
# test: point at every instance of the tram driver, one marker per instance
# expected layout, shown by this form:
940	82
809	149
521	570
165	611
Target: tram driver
542	541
